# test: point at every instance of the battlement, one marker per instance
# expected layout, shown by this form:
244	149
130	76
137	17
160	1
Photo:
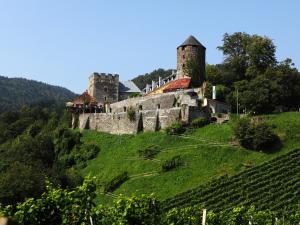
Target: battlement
104	76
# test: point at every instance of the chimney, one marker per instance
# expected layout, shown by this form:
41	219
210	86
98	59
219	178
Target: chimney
214	92
153	85
159	81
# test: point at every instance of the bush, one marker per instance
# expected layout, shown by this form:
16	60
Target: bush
255	136
150	152
131	114
175	128
89	151
116	182
199	122
172	163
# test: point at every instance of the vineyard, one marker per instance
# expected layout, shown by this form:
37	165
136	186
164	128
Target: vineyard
274	185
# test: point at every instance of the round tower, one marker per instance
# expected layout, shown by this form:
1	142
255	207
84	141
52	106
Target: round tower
191	59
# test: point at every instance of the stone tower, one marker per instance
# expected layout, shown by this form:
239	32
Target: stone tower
191	50
104	88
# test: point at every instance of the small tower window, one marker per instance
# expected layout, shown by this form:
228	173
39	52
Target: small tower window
183	56
105	89
183	65
124	108
140	107
158	106
105	98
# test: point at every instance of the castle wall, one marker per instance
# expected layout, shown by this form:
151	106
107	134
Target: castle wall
119	123
152	113
145	120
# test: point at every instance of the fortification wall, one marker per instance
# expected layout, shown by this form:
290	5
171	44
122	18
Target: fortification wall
119	123
152	113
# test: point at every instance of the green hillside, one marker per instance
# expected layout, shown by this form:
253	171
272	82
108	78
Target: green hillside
274	185
208	153
17	92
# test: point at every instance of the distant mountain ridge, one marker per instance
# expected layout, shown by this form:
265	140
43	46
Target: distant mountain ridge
18	92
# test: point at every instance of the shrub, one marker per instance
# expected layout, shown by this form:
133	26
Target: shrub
255	136
116	182
89	151
131	114
199	122
172	163
175	128
150	152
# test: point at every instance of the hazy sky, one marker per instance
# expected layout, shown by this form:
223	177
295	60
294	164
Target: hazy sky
62	42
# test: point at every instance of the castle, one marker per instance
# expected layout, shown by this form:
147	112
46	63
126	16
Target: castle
113	106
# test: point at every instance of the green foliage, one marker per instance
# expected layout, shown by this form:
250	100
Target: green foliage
142	80
210	152
133	95
76	207
259	186
192	70
70	151
116	182
199	122
250	67
56	206
182	216
256	136
247	54
131	114
33	146
130	211
175	128
172	163
20	181
17	92
149	152
234	216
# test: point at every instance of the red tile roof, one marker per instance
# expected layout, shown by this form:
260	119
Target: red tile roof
85	98
181	83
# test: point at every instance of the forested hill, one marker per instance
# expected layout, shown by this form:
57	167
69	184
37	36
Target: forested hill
17	92
142	80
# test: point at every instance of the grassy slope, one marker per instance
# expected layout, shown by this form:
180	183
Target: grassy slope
204	159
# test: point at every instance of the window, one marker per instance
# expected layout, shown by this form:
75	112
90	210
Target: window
140	107
105	89
105	98
183	65
183	56
124	108
158	106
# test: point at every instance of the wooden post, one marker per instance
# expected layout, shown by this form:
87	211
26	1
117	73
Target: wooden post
91	220
204	217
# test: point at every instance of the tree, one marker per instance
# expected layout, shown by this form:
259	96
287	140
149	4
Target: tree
248	55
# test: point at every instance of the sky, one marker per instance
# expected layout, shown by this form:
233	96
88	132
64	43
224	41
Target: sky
62	42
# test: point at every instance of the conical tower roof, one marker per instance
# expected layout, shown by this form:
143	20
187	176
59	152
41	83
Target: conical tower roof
191	40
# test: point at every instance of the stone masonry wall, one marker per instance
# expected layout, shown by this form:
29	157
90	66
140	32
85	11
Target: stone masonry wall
151	114
145	120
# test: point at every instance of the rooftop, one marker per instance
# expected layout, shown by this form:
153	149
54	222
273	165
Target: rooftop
191	40
128	86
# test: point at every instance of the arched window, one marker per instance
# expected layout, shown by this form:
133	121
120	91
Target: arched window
105	89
